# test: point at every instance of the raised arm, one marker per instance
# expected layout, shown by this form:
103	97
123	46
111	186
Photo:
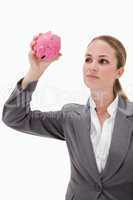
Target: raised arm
17	112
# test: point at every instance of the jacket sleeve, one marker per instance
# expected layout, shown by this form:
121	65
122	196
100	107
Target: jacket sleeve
18	115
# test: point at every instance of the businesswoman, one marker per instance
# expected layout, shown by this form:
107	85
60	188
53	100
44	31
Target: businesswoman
98	134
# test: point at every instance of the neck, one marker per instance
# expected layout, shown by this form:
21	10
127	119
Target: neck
102	99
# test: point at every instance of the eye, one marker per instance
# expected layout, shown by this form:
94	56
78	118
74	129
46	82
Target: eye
104	60
87	59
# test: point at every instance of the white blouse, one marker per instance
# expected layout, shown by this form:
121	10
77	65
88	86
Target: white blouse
101	138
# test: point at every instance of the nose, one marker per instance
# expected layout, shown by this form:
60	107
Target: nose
93	66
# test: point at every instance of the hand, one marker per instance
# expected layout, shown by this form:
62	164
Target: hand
37	65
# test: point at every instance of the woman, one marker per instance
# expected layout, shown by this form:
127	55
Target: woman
98	135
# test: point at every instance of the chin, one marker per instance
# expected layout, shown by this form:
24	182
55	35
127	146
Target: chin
94	88
91	85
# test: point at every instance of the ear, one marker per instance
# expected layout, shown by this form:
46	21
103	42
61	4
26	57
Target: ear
120	71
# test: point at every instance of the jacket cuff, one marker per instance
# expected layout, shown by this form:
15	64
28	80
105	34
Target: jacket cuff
30	87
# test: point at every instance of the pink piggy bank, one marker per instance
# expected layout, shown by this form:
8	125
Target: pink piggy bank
47	46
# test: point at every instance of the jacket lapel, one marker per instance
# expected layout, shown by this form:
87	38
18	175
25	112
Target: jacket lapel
121	138
86	148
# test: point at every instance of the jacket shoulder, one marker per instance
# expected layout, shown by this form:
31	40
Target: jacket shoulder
73	107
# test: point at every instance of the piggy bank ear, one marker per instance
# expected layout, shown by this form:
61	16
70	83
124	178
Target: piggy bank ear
58	56
40	34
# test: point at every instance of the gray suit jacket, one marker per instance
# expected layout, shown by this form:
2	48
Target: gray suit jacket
72	124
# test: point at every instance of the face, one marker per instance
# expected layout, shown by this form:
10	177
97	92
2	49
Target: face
100	61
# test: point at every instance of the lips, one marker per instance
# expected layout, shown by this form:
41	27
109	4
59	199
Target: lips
92	76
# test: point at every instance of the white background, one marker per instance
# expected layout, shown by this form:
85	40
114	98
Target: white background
34	167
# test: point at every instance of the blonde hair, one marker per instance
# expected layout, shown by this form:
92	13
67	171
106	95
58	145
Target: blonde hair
121	56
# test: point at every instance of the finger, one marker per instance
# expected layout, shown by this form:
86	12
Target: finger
35	37
33	52
30	54
32	43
